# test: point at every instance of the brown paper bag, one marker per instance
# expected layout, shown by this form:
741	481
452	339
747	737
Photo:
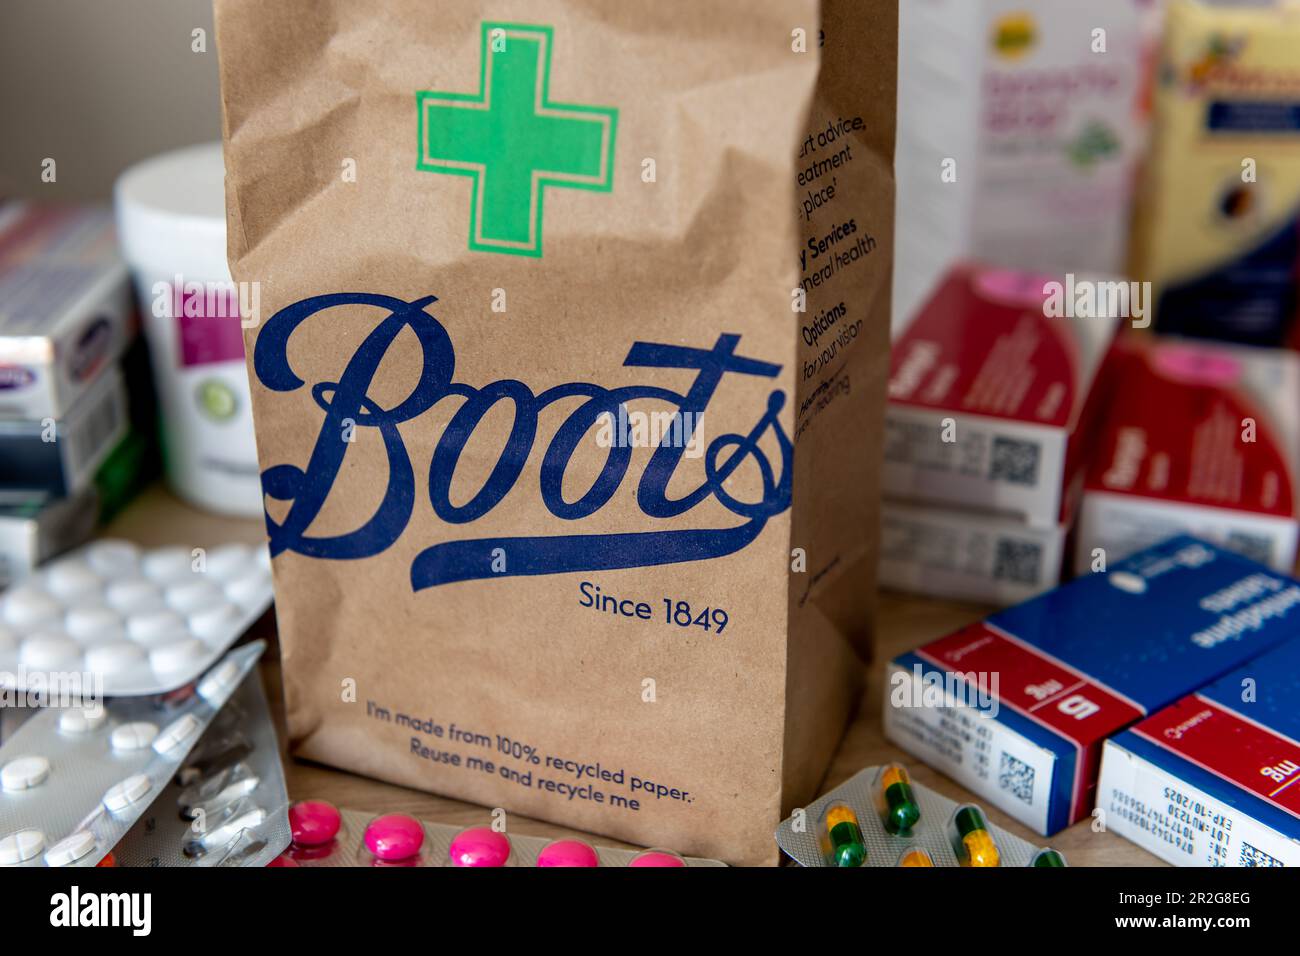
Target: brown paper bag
562	301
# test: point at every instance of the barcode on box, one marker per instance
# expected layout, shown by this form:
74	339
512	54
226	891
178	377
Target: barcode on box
1251	856
1018	561
89	439
1016	777
1015	461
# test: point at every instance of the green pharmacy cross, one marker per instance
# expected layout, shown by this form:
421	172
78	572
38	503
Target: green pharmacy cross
513	141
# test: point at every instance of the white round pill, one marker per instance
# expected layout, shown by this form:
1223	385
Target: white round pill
153	624
177	655
23	773
121	795
249	589
27	605
135	736
92	621
215	622
81	720
193	595
219	682
21	846
112	557
50	651
70	849
180	731
134	595
168	564
229	561
72	578
114	657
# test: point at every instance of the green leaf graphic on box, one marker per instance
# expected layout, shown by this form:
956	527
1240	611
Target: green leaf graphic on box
513	141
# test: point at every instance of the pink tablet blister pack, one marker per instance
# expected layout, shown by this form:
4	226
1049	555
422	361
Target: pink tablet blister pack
139	621
324	835
73	779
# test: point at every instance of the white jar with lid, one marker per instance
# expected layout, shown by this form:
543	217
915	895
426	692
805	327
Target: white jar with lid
171	217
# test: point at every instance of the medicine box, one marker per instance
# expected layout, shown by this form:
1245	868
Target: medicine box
1016	707
993	402
1022	125
1214	780
967	555
1202	439
59	458
35	530
1217	227
66	313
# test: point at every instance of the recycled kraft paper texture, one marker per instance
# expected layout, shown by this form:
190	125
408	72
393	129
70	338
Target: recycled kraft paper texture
568	384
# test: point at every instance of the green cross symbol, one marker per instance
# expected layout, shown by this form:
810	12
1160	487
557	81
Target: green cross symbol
512	141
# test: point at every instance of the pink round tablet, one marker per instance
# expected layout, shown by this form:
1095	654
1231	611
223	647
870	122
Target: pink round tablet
394	836
567	853
480	846
656	858
313	822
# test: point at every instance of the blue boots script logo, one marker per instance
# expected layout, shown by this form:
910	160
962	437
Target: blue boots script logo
347	402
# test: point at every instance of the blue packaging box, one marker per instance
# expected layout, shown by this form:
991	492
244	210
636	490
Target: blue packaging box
1214	780
1017	707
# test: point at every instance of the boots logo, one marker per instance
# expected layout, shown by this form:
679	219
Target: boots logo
667	486
513	141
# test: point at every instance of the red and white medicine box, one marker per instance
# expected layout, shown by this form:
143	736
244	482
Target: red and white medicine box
1201	439
994	392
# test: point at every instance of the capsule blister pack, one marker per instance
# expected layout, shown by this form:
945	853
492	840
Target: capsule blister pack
227	805
324	835
878	817
142	621
73	780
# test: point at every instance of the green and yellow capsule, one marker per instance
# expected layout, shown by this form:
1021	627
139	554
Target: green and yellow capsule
1047	857
915	856
842	843
899	811
972	841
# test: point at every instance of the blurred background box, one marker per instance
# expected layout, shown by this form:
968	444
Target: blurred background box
65	307
60	458
1043	121
967	555
1219	229
1200	438
993	404
36	530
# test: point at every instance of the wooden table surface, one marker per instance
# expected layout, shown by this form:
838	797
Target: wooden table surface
903	623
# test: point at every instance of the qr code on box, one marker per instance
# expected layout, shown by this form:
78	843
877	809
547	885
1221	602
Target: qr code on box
1018	561
1251	856
1016	777
1015	462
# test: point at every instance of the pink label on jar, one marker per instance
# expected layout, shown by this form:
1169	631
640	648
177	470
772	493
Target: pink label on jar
207	323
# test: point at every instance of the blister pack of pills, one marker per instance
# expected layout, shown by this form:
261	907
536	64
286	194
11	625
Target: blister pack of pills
142	621
227	805
878	817
324	835
74	779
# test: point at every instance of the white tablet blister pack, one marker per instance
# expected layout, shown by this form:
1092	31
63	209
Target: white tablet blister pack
227	805
878	817
140	621
74	779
